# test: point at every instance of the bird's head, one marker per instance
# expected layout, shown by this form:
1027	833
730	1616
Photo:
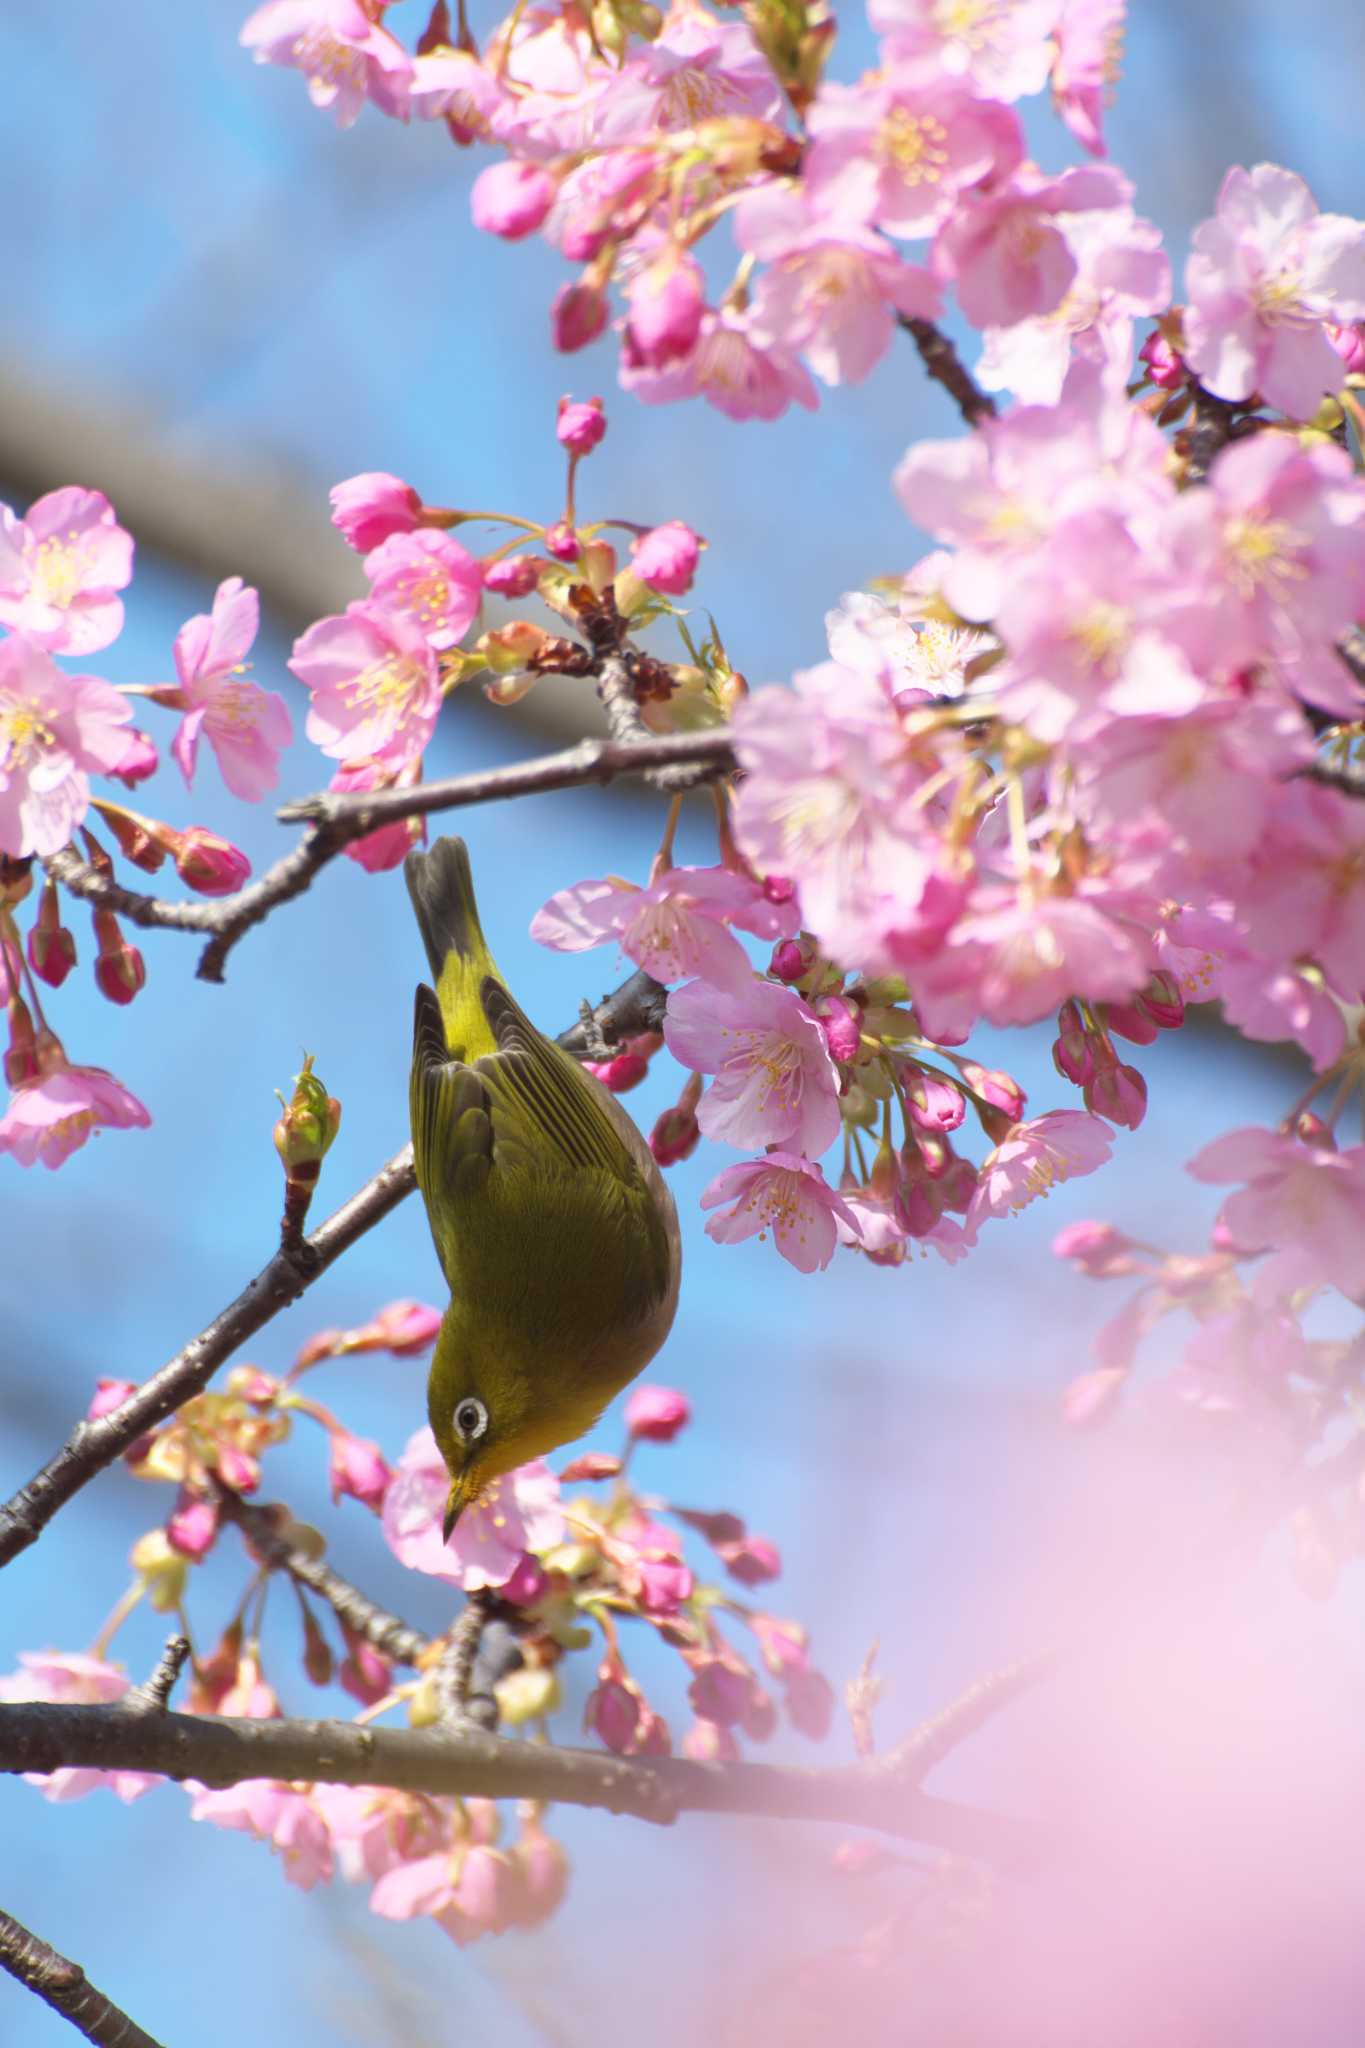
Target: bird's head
490	1415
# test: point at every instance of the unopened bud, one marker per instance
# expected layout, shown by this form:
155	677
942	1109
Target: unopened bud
513	576
120	970
209	863
51	948
23	1062
311	1120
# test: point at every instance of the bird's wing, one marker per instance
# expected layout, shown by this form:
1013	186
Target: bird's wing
452	1130
536	1088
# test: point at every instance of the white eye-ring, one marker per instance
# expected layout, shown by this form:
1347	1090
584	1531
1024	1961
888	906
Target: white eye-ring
471	1420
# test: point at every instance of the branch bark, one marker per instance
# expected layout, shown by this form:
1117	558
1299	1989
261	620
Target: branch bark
65	1987
42	1737
946	367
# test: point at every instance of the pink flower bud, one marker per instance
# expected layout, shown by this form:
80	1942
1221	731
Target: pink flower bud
578	315
563	543
404	1327
138	760
365	1673
120	970
789	961
760	1715
782	1643
1349	343
663	1584
371	508
717	1525
667	300
1128	1020
936	1104
592	1465
1165	368
1310	1129
676	1134
511	199
652	1737
753	1560
527	1583
513	576
842	1023
1118	1092
719	1692
237	1469
1092	1396
1162	1001
317	1656
192	1524
1002	1091
357	1468
666	557
810	1704
612	1712
1098	1249
208	863
778	888
51	948
581	424
626	1070
657	1413
706	1742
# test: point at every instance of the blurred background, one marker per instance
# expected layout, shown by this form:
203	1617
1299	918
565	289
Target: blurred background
215	307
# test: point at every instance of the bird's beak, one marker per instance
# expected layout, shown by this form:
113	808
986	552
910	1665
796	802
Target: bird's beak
455	1501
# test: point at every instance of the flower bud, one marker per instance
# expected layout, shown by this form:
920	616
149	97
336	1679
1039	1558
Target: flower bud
357	1468
581	425
365	1672
1349	343
1162	1001
1002	1091
404	1328
753	1560
666	557
371	508
562	542
719	1692
676	1133
760	1715
623	1071
120	970
511	198
144	841
1164	366
1098	1249
842	1023
192	1525
591	1465
657	1413
138	760
578	315
23	1062
936	1104
667	299
810	1704
238	1469
612	1712
51	948
1129	1020
1119	1093
790	960
513	576
310	1122
513	646
706	1742
209	863
531	1694
317	1654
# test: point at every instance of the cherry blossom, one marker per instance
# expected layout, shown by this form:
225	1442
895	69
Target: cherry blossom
695	70
375	685
1035	1157
345	57
430	580
61	567
1004	249
71	1678
368	509
776	1083
729	367
515	1516
1089	35
1001	48
897	151
55	730
51	1117
1307	1201
657	1413
247	727
675	928
1266	274
785	1194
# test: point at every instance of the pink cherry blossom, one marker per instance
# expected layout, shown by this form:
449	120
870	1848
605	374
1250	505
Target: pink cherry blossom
776	1083
467	1891
453	86
697	69
1266	274
388	845
61	567
516	1515
666	557
274	1813
70	1678
357	1467
729	368
673	929
50	1118
1303	898
376	687
1034	1158
785	1194
367	509
511	199
247	727
1001	49
427	576
345	57
1004	249
1015	962
1089	37
601	199
1271	1002
912	656
895	152
1121	271
55	729
1306	1202
832	287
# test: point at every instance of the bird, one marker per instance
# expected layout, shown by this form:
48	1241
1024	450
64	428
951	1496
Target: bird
555	1231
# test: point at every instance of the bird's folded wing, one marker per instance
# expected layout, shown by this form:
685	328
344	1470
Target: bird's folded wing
452	1130
539	1100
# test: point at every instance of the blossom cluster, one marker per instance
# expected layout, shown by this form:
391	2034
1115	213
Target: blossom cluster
571	1561
62	567
627	135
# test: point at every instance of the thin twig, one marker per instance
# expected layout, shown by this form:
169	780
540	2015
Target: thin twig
926	1746
337	820
946	367
385	1632
153	1696
93	1445
637	1006
455	1672
65	1987
39	1736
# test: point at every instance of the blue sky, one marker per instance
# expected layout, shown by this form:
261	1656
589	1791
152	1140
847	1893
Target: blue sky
192	237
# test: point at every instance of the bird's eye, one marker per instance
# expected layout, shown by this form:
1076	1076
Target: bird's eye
471	1420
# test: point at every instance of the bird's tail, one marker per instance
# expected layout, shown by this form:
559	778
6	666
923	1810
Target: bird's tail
442	891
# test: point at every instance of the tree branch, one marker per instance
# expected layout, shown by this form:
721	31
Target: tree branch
66	1988
926	1746
946	367
93	1445
337	820
638	1005
38	1736
385	1632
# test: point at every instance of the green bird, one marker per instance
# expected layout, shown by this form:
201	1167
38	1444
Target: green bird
552	1223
